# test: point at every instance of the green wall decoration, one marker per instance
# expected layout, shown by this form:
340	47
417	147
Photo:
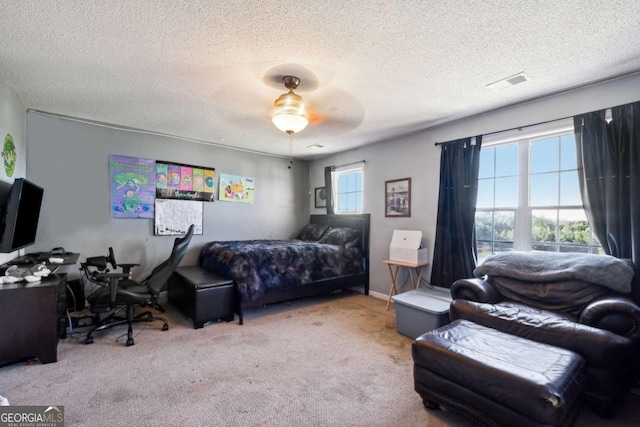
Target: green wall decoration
9	155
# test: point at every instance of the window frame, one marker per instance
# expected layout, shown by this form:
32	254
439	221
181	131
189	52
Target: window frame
335	180
524	211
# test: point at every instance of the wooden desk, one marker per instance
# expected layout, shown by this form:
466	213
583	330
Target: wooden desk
32	316
394	274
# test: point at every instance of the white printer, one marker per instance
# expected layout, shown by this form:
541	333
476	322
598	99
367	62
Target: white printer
406	246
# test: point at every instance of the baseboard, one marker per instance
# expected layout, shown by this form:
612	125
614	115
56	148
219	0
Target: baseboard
379	295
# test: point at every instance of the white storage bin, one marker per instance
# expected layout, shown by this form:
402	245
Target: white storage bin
422	310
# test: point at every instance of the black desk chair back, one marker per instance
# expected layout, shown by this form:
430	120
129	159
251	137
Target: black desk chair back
124	293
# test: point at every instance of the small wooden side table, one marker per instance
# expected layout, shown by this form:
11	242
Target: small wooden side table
394	274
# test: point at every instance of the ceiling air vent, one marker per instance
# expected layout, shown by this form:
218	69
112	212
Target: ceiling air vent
510	81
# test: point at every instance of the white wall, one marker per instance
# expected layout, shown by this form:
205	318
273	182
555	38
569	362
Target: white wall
70	160
416	157
13	121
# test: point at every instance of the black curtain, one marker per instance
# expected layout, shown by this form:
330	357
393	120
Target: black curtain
455	247
609	174
328	188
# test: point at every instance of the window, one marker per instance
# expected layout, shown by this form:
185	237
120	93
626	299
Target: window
497	199
347	189
529	197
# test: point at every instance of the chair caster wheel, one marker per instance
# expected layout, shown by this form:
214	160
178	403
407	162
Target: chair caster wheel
130	342
165	327
88	340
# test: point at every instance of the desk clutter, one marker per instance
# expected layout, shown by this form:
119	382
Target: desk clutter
30	274
35	266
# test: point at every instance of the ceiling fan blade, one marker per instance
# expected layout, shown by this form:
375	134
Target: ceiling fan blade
334	110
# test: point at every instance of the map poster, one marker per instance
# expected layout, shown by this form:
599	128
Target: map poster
236	188
173	217
132	186
185	182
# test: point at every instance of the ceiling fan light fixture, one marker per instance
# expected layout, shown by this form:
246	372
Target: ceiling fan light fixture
290	113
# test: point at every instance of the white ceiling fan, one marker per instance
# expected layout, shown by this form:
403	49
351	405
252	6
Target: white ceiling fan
317	108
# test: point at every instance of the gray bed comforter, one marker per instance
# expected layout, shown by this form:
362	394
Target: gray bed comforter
262	266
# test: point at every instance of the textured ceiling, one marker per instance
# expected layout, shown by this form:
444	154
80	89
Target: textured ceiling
208	70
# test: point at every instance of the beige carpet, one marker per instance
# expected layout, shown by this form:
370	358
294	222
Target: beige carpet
334	361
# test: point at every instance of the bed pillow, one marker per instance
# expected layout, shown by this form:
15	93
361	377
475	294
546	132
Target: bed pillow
347	237
312	232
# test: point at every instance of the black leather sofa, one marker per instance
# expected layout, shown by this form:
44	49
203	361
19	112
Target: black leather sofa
600	324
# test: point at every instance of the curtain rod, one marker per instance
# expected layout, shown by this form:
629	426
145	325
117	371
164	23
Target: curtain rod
554	120
514	128
349	164
534	124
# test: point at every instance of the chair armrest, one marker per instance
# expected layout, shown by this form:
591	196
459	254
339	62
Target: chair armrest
114	279
617	314
475	289
126	268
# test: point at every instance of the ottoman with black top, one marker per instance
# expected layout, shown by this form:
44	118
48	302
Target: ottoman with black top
495	378
201	295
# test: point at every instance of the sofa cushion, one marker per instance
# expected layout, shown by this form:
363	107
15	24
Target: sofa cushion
599	347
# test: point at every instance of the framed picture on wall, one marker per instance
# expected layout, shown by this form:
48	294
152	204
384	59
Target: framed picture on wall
397	197
320	197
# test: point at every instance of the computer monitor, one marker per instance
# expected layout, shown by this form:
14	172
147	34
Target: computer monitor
21	213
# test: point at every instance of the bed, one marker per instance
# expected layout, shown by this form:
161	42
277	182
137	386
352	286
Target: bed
330	253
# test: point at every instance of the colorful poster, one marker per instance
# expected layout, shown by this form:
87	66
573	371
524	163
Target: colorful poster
185	178
162	172
198	184
236	188
133	182
186	182
174	177
209	180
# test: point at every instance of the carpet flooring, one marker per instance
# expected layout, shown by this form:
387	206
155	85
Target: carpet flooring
331	361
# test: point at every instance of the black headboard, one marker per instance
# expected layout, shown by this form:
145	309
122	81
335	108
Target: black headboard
357	221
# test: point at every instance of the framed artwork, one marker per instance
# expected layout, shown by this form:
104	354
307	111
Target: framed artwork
237	189
397	197
320	197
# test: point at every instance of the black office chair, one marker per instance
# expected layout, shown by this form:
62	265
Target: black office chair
119	292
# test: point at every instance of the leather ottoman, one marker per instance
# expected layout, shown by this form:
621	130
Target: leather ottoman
201	295
495	378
